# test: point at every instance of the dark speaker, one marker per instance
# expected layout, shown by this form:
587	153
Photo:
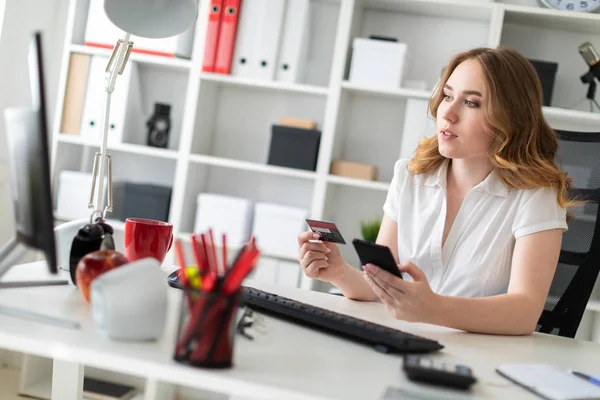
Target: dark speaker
546	71
294	147
141	201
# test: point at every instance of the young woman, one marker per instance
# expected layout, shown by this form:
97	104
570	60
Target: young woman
475	219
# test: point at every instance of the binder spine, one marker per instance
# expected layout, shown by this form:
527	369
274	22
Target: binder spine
212	35
227	36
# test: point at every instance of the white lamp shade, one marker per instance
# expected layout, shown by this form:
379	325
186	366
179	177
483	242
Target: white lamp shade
152	18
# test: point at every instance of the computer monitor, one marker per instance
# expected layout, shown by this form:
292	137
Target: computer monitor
27	136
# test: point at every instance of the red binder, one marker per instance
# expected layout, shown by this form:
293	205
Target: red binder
212	35
228	29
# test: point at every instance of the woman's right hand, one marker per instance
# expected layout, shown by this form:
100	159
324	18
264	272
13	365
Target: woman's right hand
320	260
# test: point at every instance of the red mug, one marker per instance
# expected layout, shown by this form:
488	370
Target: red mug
147	238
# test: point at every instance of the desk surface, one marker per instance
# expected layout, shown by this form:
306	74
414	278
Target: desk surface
287	361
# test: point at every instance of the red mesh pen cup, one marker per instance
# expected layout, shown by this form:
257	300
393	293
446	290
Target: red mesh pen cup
206	329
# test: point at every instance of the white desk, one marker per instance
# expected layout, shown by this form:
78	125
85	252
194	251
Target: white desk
287	362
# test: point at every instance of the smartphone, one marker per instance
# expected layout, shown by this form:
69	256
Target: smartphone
371	253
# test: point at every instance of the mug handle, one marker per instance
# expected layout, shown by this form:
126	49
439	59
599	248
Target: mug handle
170	243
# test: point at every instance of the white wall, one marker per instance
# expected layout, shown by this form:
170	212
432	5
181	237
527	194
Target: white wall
21	17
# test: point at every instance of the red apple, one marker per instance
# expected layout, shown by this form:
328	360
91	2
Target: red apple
95	264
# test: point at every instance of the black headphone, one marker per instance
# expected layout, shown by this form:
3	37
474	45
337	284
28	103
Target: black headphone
94	236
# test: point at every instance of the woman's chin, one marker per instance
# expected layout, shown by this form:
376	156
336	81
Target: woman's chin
446	151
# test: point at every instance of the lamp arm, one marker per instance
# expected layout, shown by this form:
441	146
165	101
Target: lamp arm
115	67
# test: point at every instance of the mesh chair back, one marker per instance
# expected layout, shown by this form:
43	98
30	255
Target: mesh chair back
579	262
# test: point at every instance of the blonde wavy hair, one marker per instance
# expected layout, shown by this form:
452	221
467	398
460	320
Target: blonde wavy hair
523	144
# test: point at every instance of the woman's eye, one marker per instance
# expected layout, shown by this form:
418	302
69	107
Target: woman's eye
470	103
447	97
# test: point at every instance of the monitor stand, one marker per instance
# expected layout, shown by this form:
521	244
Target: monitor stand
10	253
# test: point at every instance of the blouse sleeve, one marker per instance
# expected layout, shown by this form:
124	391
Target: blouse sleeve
390	207
540	211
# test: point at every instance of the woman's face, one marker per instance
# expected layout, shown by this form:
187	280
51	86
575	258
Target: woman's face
460	125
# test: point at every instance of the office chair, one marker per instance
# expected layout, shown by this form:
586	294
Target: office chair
579	261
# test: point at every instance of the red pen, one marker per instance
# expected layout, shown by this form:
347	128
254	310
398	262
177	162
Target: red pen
213	251
240	270
224	239
210	280
181	261
198	256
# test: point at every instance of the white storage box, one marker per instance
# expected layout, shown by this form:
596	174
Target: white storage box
276	228
277	272
74	190
377	63
224	214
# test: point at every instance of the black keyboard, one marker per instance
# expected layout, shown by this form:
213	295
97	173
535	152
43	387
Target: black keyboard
383	338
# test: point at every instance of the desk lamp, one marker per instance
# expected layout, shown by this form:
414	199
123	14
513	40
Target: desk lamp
146	18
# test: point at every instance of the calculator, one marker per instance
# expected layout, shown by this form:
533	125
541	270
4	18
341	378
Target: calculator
426	370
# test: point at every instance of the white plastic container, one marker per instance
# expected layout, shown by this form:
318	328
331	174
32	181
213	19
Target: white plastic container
276	228
377	63
74	189
224	214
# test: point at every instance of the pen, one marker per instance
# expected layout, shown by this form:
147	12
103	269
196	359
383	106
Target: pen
588	378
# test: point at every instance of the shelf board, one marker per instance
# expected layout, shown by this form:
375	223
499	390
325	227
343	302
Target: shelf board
123	147
234	81
167	62
251	166
359	183
552	19
456	9
386	92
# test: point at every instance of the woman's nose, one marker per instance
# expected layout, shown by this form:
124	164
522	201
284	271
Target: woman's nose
449	113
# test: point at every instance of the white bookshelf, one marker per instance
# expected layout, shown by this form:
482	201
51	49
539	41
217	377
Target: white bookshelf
220	138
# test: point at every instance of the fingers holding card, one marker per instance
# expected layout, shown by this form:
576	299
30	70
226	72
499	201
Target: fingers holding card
328	231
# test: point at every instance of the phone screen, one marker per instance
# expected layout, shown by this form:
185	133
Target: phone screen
371	253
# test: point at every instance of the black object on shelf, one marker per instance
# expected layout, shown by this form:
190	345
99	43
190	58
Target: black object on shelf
546	71
294	147
141	201
159	126
384	38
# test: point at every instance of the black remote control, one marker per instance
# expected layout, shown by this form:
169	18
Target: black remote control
423	369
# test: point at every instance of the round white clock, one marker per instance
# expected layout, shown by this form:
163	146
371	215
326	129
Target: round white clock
573	5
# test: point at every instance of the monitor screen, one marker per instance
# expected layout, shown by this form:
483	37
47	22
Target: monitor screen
27	134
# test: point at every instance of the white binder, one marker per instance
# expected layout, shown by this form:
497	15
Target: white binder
418	124
243	55
294	42
269	22
126	108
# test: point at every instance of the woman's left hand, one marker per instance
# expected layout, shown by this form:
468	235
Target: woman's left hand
410	301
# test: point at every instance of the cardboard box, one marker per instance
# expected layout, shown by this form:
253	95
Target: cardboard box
297	123
354	170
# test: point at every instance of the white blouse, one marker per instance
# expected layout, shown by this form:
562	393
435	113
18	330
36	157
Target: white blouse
475	260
